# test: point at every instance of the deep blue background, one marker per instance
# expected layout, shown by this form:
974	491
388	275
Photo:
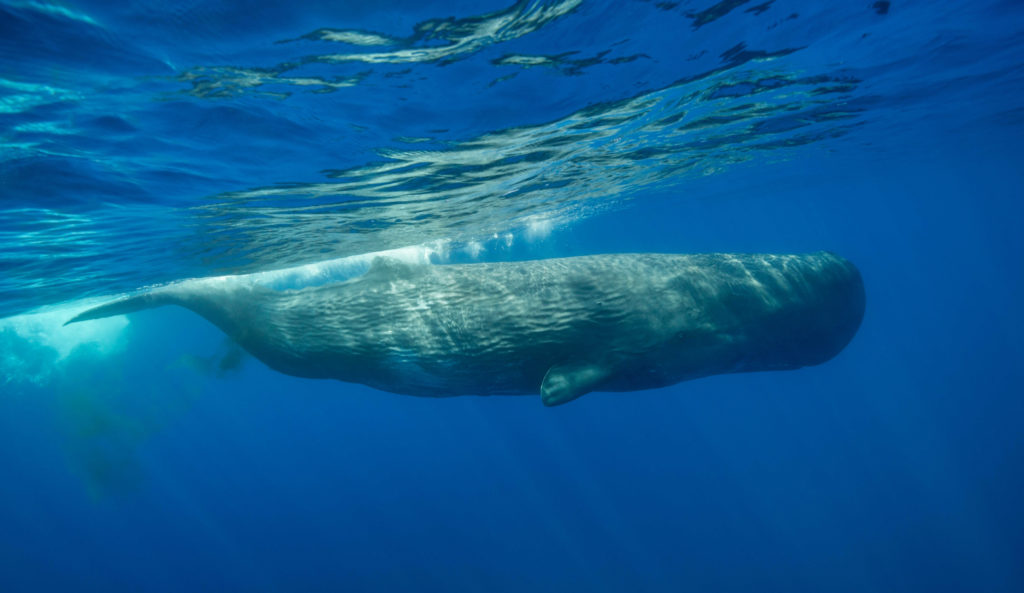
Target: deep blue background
895	467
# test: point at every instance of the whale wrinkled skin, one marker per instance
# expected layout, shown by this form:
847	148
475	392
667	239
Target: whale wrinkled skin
557	327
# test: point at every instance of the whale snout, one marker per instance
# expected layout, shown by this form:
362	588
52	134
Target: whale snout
833	311
824	305
842	304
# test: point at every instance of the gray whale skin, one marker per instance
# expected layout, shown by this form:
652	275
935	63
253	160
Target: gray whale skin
558	327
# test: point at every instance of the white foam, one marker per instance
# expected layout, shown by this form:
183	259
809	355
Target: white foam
538	227
46	328
341	269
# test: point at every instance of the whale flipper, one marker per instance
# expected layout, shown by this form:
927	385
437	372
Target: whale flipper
132	304
565	382
212	302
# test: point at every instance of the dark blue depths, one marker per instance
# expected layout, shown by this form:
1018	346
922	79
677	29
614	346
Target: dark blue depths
136	151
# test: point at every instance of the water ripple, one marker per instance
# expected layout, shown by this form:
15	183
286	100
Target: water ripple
560	170
433	41
284	143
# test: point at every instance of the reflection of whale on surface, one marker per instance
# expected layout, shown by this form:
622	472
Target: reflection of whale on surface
560	327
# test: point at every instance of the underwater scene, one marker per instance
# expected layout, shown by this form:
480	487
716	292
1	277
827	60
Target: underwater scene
512	296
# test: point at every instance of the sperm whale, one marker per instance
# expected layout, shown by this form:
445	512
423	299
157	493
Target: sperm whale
558	327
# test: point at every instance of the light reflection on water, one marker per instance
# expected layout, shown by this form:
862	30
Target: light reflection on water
313	143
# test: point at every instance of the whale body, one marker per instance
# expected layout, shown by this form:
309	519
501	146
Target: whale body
557	327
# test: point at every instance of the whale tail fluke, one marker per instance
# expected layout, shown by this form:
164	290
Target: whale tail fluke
131	304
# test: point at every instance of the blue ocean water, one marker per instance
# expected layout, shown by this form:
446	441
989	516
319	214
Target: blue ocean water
149	142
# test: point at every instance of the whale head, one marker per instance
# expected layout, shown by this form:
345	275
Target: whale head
821	316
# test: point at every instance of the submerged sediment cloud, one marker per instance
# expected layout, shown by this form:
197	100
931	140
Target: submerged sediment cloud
94	397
